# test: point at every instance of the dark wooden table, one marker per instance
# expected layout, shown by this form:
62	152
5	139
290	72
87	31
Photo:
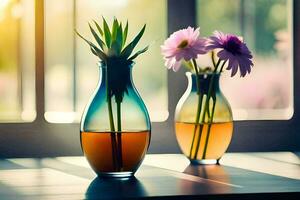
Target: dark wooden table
164	176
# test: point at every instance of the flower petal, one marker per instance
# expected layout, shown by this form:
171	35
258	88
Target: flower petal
176	66
232	48
172	64
223	55
234	67
173	50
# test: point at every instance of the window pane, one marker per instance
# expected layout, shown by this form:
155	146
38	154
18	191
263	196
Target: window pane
17	102
72	71
267	93
59	60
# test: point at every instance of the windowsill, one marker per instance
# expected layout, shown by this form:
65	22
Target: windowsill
240	175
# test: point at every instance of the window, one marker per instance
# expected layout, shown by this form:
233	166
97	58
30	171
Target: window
47	74
266	26
17	102
72	71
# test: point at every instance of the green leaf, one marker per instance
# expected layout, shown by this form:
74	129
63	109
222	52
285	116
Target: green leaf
128	50
138	53
107	33
116	45
125	34
93	51
99	28
119	37
188	65
98	39
115	29
99	53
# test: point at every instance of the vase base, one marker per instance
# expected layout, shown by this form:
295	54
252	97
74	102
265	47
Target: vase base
205	162
115	174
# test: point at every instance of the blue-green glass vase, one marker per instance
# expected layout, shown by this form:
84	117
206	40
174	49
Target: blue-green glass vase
115	127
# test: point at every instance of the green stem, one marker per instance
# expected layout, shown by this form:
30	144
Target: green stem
208	129
112	126
111	117
213	58
119	135
108	98
198	141
206	105
197	76
217	65
113	138
212	115
208	111
200	97
222	66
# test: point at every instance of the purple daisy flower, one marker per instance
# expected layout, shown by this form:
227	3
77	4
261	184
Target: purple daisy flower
234	50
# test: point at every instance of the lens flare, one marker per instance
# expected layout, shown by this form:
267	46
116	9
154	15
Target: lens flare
3	4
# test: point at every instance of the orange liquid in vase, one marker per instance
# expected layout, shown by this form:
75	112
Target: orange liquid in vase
219	139
97	147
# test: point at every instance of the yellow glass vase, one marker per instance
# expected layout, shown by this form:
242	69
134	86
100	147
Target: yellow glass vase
203	120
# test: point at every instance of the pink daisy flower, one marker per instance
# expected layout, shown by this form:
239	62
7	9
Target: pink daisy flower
183	44
233	49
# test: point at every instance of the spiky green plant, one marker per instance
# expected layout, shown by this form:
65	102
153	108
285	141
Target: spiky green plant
113	52
111	44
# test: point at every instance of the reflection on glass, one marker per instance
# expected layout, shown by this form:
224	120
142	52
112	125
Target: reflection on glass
266	27
17	60
72	71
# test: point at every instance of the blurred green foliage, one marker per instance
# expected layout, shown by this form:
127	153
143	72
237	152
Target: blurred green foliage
256	20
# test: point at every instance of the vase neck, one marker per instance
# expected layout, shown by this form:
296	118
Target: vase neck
116	76
117	79
204	82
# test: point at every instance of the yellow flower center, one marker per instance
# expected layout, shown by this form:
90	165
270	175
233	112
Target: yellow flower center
183	44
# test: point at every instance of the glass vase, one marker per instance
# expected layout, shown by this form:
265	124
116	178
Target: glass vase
203	120
115	127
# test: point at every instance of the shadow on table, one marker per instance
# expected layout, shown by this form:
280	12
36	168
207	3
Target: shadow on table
103	188
211	172
217	179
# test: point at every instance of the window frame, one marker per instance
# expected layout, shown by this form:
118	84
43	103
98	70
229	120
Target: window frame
43	139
